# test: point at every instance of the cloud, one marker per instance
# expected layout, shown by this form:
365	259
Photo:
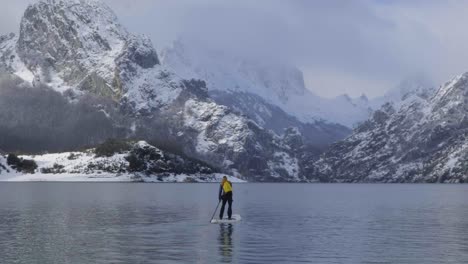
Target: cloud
346	46
362	46
10	15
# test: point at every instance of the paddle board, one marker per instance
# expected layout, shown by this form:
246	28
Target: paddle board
234	218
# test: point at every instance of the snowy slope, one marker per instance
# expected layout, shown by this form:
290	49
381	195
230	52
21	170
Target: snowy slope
425	140
9	59
87	166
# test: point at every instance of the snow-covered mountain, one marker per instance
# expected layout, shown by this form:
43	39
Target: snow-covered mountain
78	46
277	83
425	140
263	91
80	50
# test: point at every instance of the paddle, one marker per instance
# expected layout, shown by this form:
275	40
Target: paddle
215	211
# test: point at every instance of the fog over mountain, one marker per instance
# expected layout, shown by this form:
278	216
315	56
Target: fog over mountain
353	47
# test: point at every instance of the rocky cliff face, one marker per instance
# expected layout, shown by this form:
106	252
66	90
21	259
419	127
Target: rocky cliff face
426	140
71	45
79	49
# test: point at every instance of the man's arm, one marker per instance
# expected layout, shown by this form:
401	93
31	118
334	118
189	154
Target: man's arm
220	192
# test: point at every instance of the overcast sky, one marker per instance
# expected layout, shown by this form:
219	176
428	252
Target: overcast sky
341	46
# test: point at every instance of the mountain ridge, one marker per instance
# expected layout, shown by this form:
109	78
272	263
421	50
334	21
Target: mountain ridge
426	140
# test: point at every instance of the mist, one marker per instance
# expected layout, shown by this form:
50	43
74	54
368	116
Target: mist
37	119
342	47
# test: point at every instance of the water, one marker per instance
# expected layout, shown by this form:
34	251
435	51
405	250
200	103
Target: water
282	223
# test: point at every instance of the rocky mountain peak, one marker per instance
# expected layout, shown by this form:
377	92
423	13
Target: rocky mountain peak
455	88
80	45
63	30
450	102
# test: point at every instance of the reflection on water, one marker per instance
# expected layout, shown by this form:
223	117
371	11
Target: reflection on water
169	223
225	242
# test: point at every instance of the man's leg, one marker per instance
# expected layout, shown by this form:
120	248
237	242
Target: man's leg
221	212
230	206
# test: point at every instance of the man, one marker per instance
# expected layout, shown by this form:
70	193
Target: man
225	194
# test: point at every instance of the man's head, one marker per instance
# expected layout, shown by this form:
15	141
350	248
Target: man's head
224	178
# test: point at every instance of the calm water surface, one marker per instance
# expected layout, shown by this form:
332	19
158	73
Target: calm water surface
282	223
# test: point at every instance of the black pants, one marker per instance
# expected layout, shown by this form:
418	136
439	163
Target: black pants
227	197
